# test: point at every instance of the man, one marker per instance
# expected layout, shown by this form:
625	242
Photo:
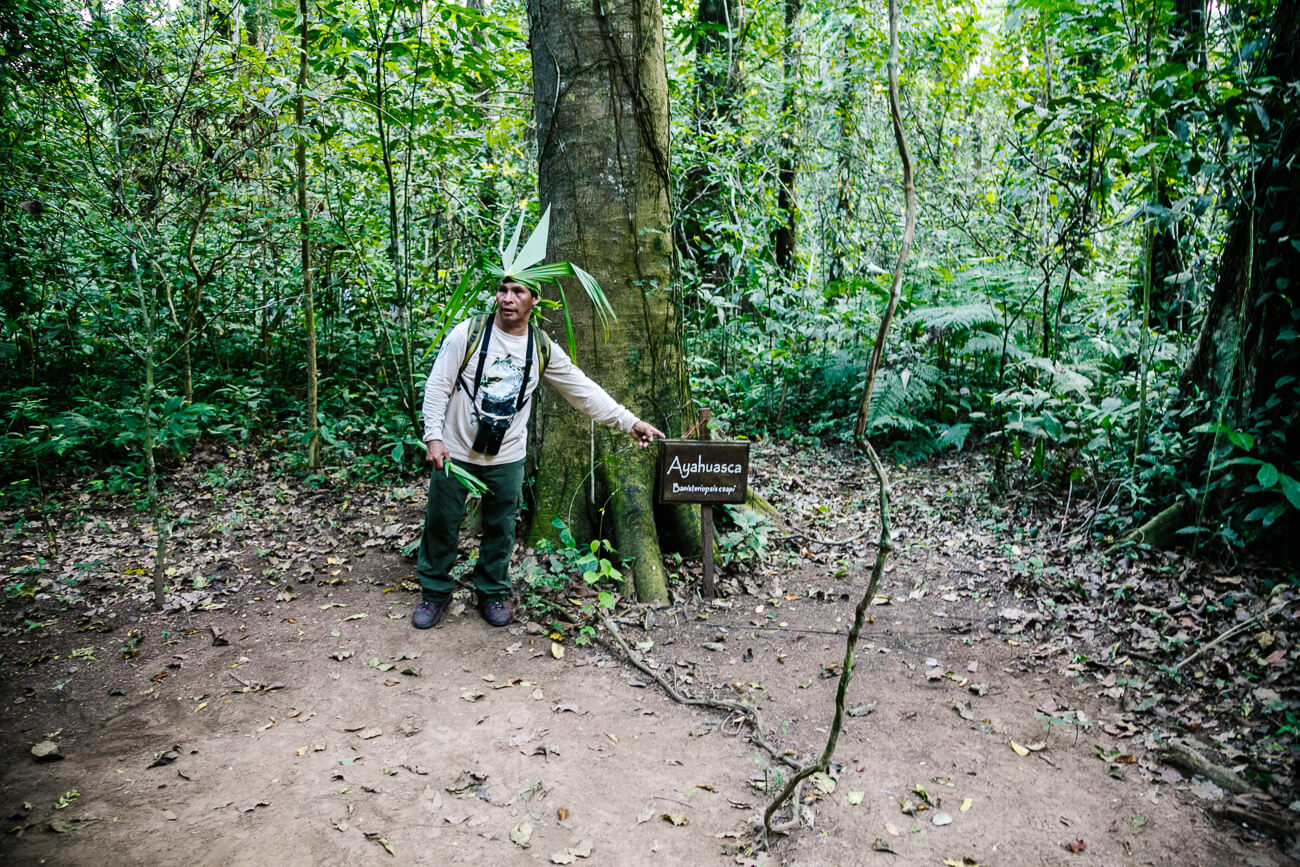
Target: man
476	412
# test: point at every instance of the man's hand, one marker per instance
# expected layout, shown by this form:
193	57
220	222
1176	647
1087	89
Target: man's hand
645	433
435	453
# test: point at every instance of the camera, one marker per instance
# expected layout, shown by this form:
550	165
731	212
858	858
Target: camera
491	430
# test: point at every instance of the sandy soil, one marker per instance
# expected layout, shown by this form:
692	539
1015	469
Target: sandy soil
318	736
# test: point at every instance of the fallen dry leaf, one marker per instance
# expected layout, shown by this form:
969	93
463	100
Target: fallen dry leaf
521	834
388	847
569	855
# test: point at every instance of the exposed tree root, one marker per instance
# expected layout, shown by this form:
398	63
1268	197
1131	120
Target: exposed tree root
1270	822
1161	529
1189	761
744	709
822	540
754	501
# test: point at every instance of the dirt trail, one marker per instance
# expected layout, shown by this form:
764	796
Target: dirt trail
297	774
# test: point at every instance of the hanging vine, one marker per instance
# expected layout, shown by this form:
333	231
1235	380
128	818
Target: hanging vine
822	765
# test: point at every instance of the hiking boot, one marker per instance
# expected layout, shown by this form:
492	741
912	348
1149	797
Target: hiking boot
495	611
428	613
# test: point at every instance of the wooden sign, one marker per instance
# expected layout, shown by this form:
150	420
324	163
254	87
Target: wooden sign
699	471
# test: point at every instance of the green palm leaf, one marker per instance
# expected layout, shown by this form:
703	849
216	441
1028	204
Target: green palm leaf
508	253
535	248
471	484
596	294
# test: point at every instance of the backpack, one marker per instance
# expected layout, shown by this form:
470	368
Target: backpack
478	326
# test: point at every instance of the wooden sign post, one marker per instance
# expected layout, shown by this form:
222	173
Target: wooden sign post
704	472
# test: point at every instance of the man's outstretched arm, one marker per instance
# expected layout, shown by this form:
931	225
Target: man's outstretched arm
589	398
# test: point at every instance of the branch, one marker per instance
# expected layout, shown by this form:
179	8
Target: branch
850	644
1236	630
886	543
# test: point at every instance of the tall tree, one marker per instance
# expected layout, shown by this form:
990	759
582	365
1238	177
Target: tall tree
1170	305
715	114
785	237
304	234
601	96
1248	353
845	173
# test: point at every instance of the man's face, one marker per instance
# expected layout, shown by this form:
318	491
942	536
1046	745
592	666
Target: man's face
515	304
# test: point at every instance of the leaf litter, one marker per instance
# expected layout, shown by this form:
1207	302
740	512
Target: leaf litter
1268	642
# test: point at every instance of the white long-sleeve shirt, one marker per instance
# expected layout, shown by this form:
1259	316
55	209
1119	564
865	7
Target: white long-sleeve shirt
450	417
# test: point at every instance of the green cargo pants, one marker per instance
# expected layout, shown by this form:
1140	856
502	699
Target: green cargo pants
442	519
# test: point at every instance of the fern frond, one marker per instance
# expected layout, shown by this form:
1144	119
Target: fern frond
924	374
888	398
960	317
984	343
954	435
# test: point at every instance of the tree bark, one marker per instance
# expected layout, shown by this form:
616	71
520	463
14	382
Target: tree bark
304	237
717	88
602	125
1242	374
785	238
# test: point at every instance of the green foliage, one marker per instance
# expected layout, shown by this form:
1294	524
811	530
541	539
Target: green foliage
158	140
1255	464
565	563
147	210
746	541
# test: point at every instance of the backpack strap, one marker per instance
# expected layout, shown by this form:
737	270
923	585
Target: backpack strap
524	393
543	353
478	326
485	338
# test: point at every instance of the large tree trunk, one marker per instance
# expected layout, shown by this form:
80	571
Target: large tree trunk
1247	356
1170	304
842	221
304	237
602	126
717	92
785	238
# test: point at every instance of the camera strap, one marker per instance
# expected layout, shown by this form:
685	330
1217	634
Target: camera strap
524	394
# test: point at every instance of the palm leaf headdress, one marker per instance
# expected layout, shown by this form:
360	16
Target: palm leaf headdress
524	266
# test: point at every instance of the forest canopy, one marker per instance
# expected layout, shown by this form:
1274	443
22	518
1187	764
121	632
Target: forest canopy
252	221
